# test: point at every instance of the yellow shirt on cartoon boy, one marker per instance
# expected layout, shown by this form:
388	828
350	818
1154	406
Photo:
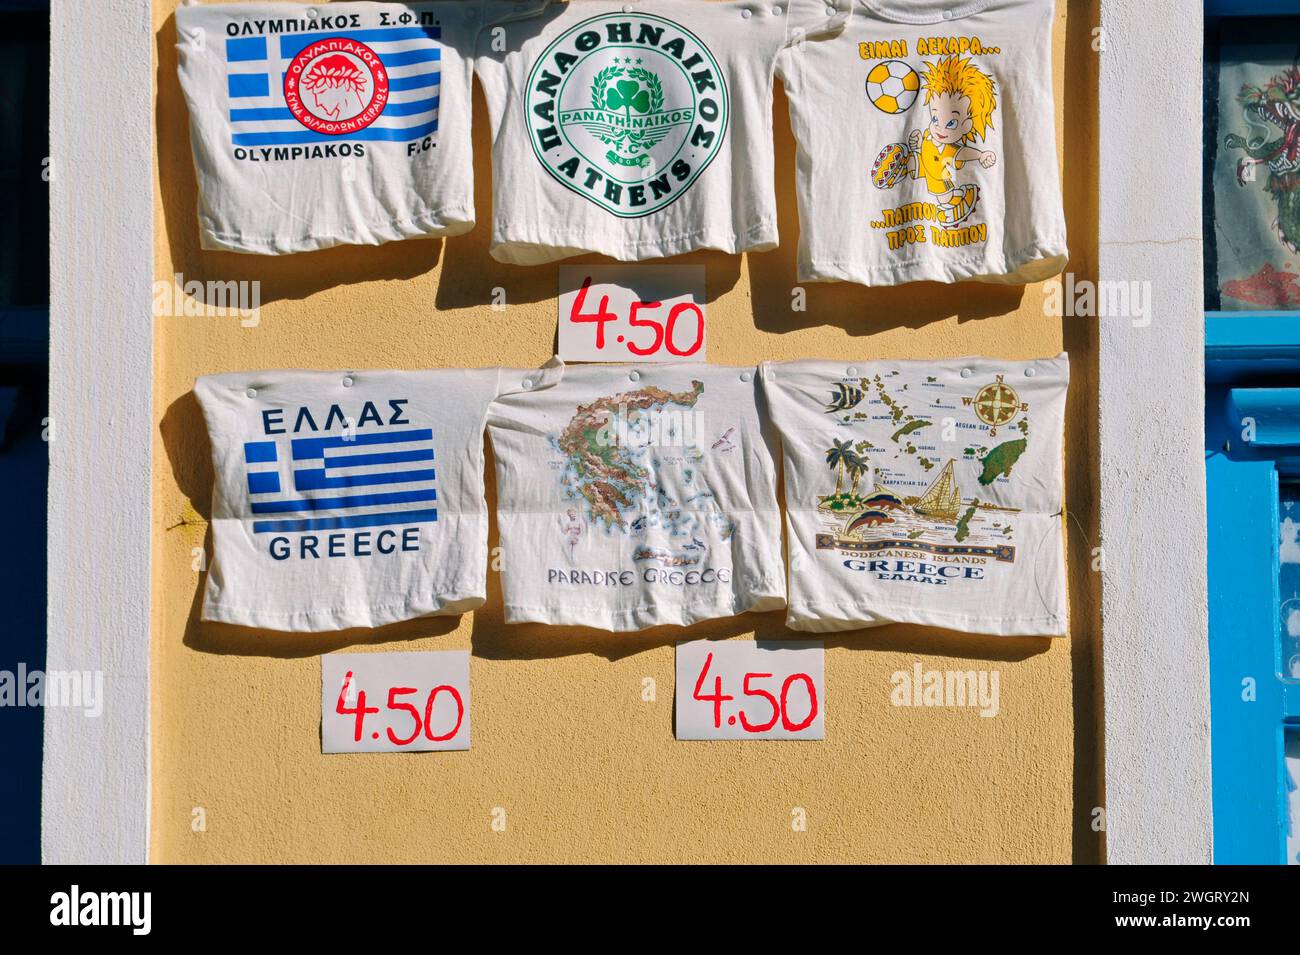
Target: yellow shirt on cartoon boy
937	163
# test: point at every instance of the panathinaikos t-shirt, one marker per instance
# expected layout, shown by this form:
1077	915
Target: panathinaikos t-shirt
635	496
332	124
927	144
638	129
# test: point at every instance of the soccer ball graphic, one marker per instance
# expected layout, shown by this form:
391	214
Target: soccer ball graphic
892	86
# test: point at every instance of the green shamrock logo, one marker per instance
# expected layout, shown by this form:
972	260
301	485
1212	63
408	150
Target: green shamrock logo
627	95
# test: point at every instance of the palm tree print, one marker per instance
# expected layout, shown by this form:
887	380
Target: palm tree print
839	456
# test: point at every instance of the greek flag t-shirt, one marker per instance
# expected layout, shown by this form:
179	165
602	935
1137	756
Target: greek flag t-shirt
925	492
635	496
331	124
927	144
349	499
639	129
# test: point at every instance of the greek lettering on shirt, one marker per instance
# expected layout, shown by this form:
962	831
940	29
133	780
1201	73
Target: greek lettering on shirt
915	571
357	543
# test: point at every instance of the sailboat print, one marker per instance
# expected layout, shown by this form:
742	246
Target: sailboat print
942	500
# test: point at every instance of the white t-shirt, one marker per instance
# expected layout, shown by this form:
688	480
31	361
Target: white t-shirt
634	496
349	499
924	492
927	144
333	124
638	130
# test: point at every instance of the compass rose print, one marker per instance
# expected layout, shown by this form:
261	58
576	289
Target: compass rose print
997	405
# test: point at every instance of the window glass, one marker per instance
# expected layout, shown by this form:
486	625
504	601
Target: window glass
1252	116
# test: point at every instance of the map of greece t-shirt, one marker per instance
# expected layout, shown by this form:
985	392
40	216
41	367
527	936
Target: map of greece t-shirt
924	492
349	499
927	144
639	129
332	124
634	496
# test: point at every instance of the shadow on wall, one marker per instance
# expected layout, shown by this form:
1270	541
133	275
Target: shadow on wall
1079	161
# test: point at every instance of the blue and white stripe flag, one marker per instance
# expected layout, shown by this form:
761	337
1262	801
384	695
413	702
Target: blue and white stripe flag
377	85
341	481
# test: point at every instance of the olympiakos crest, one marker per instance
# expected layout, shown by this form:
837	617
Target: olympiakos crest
627	110
336	86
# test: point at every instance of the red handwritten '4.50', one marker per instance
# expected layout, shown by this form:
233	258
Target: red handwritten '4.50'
779	706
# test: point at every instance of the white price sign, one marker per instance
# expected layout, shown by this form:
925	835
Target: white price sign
394	702
640	313
751	690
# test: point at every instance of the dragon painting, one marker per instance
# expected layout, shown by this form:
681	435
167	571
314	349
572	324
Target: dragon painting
1274	106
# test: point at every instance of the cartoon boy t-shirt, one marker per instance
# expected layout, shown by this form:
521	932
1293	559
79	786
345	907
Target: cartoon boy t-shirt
927	151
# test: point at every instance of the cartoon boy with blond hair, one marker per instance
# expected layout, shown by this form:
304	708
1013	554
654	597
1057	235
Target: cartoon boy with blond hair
960	101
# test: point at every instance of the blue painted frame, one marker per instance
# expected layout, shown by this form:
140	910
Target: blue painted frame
1251	706
1257	350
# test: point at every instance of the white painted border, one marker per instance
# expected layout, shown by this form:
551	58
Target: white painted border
95	782
1154	609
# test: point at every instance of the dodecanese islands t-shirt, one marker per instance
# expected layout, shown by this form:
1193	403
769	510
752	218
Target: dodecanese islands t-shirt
924	492
332	124
927	144
630	497
638	129
349	499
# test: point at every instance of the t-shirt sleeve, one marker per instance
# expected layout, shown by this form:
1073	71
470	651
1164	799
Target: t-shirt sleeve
214	394
516	381
815	19
496	12
808	20
776	396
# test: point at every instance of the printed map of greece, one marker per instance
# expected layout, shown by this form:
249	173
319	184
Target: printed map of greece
603	471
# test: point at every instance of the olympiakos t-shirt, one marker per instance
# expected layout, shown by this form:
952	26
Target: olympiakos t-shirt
927	144
333	124
634	496
638	129
924	492
349	499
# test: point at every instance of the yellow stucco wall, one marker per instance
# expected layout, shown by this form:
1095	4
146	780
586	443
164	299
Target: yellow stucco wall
585	770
